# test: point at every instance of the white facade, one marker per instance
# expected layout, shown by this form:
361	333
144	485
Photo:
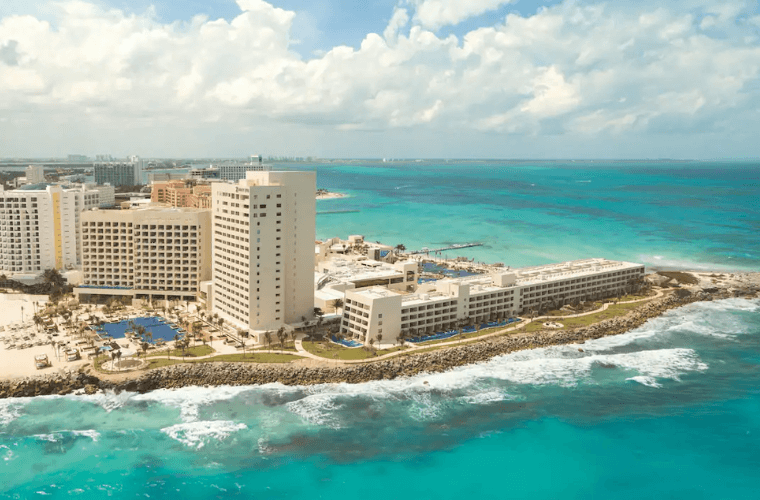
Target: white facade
106	194
234	171
151	253
35	174
263	249
39	228
448	303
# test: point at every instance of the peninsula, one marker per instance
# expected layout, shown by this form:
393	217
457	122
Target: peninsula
316	362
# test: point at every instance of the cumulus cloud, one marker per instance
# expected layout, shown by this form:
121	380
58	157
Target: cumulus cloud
436	13
575	69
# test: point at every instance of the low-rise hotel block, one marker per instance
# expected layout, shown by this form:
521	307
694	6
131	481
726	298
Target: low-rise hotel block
151	253
449	303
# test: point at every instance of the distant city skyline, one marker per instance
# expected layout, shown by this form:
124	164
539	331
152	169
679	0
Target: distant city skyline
524	79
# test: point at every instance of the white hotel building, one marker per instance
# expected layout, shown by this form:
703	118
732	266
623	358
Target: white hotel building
263	249
154	253
445	304
39	227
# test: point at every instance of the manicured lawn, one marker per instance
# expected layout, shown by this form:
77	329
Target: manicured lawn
251	358
190	352
329	350
159	362
612	312
289	346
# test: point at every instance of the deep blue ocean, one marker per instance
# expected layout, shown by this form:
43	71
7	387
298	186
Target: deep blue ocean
669	410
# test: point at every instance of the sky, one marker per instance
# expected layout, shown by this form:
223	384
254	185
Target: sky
380	78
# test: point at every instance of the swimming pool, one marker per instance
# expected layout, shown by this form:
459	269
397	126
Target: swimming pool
157	326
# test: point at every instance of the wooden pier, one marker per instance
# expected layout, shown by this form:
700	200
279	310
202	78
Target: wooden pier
444	249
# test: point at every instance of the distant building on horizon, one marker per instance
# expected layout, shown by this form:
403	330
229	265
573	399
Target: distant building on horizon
181	193
235	171
119	173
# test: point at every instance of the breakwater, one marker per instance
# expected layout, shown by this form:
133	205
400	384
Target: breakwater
215	374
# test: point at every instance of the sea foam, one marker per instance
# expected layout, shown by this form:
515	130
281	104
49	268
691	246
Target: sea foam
198	434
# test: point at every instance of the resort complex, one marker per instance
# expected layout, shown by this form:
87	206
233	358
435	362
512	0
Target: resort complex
447	304
239	255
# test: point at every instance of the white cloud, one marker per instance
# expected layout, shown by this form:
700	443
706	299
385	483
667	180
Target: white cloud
573	69
437	13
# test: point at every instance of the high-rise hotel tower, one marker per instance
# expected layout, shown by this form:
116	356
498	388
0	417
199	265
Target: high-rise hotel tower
263	249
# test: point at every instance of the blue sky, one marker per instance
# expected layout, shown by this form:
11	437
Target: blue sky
320	24
381	78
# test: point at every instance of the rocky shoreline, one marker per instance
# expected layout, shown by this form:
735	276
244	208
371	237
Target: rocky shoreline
216	374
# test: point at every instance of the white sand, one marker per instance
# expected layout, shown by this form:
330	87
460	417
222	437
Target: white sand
20	362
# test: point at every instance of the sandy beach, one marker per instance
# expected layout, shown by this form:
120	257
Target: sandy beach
20	362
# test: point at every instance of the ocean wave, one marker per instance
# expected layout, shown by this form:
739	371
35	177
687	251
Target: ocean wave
57	436
486	397
189	400
647	381
318	409
10	410
90	433
199	433
109	400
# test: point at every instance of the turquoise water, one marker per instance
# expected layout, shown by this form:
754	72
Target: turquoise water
695	215
670	410
157	328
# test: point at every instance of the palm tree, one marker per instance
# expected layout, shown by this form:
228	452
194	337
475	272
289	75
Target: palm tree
177	340
337	303
400	248
242	343
281	336
268	338
379	338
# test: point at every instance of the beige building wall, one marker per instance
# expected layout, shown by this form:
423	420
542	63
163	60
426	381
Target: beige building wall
446	304
263	246
151	253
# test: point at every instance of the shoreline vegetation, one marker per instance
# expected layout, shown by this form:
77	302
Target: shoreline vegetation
324	194
315	363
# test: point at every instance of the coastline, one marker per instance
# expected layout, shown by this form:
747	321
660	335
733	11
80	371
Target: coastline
329	195
88	381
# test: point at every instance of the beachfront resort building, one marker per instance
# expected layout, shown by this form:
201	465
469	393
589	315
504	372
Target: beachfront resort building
446	304
155	253
181	193
263	250
39	227
339	273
